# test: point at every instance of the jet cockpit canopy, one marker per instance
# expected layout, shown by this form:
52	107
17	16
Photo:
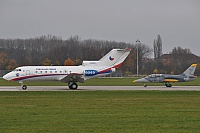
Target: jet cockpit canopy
154	75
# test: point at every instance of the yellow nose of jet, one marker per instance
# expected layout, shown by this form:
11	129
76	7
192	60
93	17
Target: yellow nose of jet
134	81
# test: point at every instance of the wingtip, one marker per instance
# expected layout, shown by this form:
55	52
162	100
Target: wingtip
194	64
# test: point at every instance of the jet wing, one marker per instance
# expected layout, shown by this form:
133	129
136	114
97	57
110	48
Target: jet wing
170	80
73	77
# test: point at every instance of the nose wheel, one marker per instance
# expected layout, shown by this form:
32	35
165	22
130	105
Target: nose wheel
24	87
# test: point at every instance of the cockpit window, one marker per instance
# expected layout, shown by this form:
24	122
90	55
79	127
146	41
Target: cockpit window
154	75
17	70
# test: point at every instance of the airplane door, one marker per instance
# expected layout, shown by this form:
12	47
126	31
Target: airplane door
27	72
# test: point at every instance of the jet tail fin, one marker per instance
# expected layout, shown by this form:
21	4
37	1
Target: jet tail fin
190	70
112	59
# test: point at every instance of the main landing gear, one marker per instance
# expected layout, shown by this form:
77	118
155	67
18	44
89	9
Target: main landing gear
168	85
145	85
73	85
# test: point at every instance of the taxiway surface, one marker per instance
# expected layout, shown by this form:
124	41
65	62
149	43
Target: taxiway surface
92	88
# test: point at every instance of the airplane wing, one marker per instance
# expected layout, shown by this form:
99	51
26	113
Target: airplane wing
73	77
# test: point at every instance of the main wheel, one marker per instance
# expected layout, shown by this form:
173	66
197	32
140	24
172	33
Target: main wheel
168	85
24	87
73	86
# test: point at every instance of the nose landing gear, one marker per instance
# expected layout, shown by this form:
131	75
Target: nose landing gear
24	87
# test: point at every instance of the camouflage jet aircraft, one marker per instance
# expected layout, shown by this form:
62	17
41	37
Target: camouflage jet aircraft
187	75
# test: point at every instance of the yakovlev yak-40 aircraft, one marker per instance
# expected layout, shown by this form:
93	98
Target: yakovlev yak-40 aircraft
187	75
70	74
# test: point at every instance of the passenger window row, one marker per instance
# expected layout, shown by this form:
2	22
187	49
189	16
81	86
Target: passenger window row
49	72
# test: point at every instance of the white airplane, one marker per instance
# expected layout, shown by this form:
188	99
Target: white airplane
70	74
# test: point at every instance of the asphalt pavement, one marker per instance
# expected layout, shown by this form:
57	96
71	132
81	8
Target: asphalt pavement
93	88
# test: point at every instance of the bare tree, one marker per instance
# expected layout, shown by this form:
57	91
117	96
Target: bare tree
157	45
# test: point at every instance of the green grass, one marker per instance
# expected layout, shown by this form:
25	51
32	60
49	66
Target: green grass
100	111
100	82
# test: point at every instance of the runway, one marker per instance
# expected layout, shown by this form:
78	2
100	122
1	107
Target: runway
93	88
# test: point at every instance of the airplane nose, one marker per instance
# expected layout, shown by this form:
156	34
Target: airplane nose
141	80
5	77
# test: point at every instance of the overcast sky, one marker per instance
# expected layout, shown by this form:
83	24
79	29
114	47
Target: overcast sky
177	21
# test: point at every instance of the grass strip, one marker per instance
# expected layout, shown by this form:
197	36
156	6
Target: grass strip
100	111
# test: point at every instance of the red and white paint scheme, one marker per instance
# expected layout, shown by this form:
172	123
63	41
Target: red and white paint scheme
70	74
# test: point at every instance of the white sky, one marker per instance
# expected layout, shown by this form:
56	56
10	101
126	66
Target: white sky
177	21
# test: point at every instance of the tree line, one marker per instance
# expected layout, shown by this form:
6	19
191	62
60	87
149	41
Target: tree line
53	50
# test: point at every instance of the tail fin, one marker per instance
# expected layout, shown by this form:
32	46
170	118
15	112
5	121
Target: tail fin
190	70
114	58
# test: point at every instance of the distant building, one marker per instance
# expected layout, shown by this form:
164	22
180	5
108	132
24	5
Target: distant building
167	57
